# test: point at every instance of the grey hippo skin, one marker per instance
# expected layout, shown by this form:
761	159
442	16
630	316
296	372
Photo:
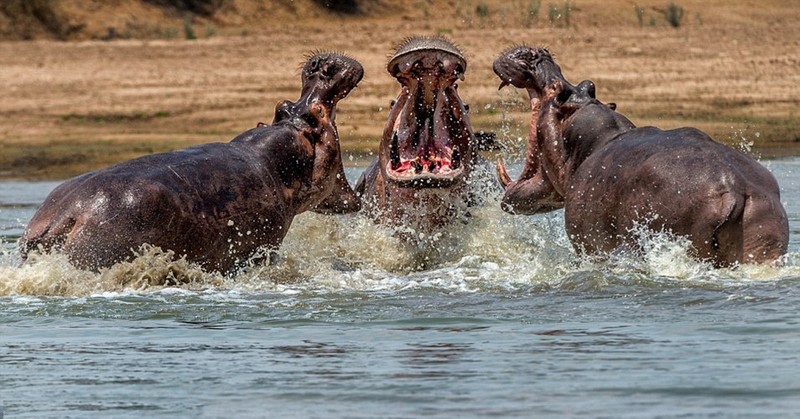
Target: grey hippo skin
609	175
420	178
218	204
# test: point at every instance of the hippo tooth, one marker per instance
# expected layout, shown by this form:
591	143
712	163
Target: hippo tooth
456	162
394	152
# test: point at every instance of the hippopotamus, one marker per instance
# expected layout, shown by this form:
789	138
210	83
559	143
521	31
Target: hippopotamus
219	205
611	176
419	179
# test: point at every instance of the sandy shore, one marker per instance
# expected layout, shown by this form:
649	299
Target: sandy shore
68	107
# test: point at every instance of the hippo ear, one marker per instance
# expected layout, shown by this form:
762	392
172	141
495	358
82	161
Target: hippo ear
283	111
587	88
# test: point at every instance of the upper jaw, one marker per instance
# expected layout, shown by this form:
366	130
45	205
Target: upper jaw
330	92
527	68
329	77
520	76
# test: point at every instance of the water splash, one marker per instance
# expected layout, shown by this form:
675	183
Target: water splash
494	252
513	134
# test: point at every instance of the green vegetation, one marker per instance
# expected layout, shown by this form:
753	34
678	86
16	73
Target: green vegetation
674	15
532	12
482	10
188	30
483	13
347	7
559	16
639	14
29	16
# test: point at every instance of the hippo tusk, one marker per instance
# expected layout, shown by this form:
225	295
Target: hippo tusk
502	174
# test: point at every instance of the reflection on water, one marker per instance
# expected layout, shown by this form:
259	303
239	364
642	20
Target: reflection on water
430	360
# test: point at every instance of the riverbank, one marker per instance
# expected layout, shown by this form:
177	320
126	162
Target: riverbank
69	107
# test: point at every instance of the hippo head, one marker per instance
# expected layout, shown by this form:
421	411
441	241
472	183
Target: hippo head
327	78
539	187
428	140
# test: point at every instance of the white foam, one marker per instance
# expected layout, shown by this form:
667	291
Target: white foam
494	250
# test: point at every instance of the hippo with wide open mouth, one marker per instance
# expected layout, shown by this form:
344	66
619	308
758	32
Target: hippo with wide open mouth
220	205
610	176
428	149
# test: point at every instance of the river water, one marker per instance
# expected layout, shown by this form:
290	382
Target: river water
498	317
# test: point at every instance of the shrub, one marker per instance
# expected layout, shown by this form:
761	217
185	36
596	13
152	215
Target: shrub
482	10
674	15
188	29
559	16
349	7
639	14
532	12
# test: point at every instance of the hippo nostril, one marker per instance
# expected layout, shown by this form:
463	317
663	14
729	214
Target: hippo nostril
328	70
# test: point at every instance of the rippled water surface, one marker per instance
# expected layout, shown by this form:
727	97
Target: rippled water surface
498	317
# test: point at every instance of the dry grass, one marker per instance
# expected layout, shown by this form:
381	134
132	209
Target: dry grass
730	69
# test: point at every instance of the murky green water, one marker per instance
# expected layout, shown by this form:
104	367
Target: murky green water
499	318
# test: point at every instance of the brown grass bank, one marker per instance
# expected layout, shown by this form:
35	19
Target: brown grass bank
729	67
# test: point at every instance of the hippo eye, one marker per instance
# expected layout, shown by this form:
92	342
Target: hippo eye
313	66
459	69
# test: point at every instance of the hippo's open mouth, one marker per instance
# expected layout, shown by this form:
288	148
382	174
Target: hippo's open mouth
429	168
531	69
427	141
